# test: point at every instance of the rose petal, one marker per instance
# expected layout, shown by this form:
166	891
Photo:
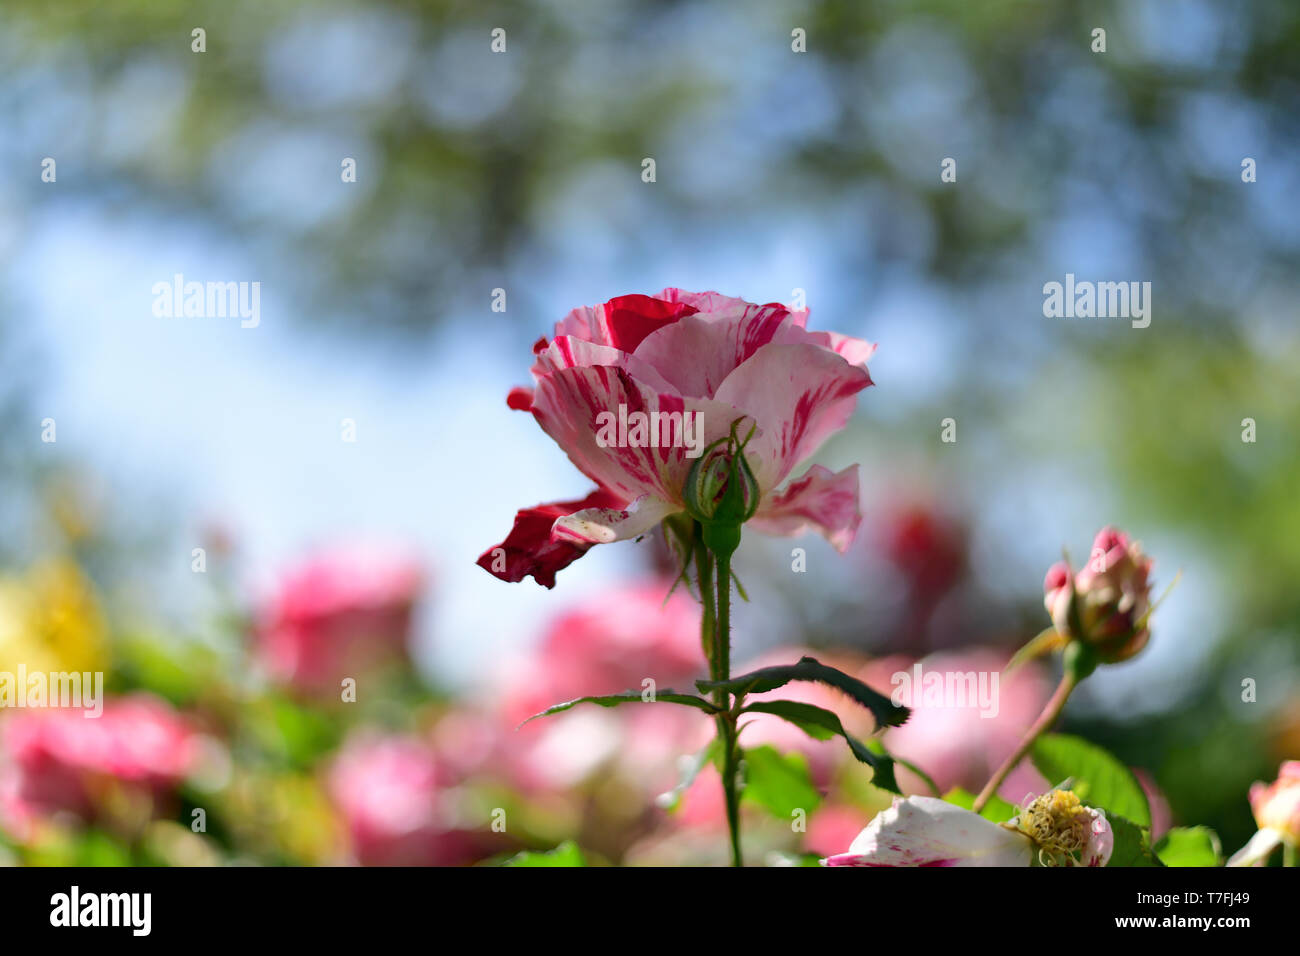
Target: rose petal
799	395
630	318
603	525
1258	847
923	831
568	351
569	406
520	398
1101	841
697	353
529	547
854	351
622	322
821	500
706	301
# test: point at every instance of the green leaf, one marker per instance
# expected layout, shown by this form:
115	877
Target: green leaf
997	809
690	769
179	670
1098	778
876	747
779	783
885	711
1131	846
628	697
780	858
566	854
822	724
292	731
1190	846
1047	640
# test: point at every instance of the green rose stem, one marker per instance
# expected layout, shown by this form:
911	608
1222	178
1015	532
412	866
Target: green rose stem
715	636
727	722
720	495
1079	663
708	620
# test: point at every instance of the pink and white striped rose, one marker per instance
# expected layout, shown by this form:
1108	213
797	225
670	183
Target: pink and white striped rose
700	354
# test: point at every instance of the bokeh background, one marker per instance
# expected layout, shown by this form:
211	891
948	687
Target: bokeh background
521	170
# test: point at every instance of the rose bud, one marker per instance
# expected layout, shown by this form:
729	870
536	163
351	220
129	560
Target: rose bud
1057	595
1100	614
721	493
1113	597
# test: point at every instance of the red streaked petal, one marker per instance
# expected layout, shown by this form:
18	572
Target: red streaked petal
698	352
576	406
800	395
530	549
520	399
603	525
630	318
819	500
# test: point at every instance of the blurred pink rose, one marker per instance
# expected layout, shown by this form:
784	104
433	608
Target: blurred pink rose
390	792
927	546
1276	805
960	742
1162	817
831	828
1112	597
59	761
610	644
709	359
338	614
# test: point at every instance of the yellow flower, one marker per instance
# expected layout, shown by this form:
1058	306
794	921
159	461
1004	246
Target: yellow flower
50	620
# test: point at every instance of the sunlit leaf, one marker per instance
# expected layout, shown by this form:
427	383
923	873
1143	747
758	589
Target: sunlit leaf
566	854
779	782
1190	846
885	711
1045	642
822	724
1098	778
628	697
997	809
1131	845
